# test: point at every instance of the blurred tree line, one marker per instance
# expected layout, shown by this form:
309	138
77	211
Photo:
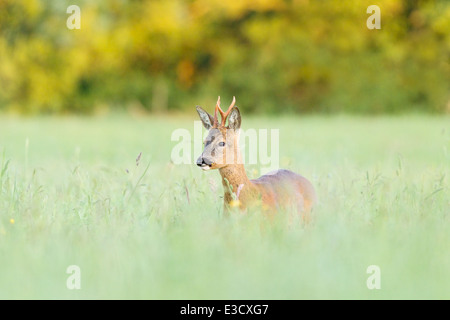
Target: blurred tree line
273	55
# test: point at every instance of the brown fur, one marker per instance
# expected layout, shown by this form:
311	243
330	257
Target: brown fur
278	190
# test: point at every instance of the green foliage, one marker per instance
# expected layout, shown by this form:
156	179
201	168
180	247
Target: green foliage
273	55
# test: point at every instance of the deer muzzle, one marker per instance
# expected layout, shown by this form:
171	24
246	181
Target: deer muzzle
204	163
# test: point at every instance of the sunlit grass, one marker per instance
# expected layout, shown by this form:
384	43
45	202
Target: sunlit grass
72	192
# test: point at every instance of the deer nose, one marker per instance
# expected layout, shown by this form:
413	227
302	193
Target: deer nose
201	162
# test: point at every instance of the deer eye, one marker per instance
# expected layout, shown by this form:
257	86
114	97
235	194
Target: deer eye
221	144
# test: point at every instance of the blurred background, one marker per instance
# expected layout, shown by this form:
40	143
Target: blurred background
275	56
74	189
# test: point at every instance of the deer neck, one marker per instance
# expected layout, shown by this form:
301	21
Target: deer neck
235	176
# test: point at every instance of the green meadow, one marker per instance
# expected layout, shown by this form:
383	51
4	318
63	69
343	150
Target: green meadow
74	191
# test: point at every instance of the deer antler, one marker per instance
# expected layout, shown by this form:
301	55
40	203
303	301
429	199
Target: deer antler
224	115
215	124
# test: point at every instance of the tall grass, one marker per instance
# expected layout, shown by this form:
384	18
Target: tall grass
72	192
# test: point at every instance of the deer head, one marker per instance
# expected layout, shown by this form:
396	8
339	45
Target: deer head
222	143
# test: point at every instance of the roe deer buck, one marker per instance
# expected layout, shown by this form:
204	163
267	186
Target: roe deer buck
281	189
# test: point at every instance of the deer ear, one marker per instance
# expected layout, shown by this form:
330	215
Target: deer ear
206	118
234	119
